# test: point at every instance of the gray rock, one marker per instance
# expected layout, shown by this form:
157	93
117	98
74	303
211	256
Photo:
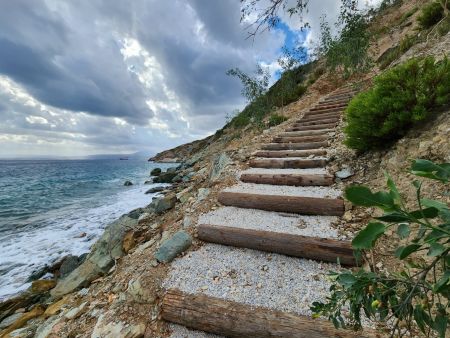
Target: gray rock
148	182
45	329
171	170
116	329
154	190
140	294
173	246
162	204
187	221
202	194
155	172
128	183
177	178
136	213
76	312
165	177
344	173
100	259
219	164
69	264
9	320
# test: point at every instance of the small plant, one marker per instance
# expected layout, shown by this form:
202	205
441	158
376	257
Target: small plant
399	99
432	13
276	119
416	296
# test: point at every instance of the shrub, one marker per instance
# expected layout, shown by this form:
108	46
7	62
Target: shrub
276	119
400	98
431	14
418	295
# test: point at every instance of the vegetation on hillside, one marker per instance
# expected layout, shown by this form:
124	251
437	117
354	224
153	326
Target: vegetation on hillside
418	295
400	98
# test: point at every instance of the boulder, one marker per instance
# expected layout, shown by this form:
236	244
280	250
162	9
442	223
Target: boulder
136	213
218	165
162	204
42	285
23	319
155	172
165	177
76	312
100	259
344	173
105	328
154	190
171	170
184	195
173	246
69	264
127	183
140	294
45	330
177	179
9	320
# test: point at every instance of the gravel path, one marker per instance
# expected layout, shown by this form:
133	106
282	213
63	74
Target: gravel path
292	158
178	331
267	189
316	226
252	277
285	171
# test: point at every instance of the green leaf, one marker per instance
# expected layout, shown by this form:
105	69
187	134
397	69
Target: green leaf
436	249
442	283
420	317
395	194
394	217
440	323
429	169
367	237
403	230
347	279
433	204
430	212
404	251
362	196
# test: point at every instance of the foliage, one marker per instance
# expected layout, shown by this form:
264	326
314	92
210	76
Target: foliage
432	13
420	292
253	87
276	119
400	98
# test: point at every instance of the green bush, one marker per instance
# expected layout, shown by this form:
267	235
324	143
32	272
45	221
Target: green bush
431	14
399	99
276	119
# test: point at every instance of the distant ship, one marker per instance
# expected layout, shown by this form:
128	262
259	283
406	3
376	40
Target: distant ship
123	158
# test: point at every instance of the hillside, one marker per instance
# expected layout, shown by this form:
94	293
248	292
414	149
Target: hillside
163	263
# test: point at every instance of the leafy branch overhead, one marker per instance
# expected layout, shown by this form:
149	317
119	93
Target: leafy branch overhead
418	295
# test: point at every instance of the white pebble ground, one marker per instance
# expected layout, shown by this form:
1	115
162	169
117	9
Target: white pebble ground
308	171
267	189
178	331
252	277
316	226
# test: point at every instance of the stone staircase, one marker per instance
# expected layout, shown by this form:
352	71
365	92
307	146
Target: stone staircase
270	246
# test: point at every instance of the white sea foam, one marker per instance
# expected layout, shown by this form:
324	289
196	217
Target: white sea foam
25	251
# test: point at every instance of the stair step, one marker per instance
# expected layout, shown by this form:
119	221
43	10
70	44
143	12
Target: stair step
328	106
316	122
305	133
316	127
313	118
322	249
300	139
294	146
289	153
285	163
302	200
324	110
280	177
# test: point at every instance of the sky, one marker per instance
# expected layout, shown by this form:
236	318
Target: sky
108	76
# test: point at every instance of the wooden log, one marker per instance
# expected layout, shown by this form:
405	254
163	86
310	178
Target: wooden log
321	249
282	203
294	146
316	122
324	110
289	153
311	118
237	320
299	139
288	179
316	127
287	163
322	106
305	133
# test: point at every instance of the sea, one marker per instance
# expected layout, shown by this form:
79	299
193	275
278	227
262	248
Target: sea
53	208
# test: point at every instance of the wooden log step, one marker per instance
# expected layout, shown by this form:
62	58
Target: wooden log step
294	146
236	320
285	163
305	133
324	110
321	249
322	106
289	153
311	118
338	97
316	127
284	203
288	179
321	121
337	100
300	139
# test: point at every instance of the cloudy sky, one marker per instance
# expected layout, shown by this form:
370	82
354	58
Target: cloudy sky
109	76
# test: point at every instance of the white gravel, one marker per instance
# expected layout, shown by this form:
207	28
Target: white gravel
178	331
285	171
252	277
291	158
315	226
267	189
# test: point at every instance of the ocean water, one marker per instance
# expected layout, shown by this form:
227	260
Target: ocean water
49	209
